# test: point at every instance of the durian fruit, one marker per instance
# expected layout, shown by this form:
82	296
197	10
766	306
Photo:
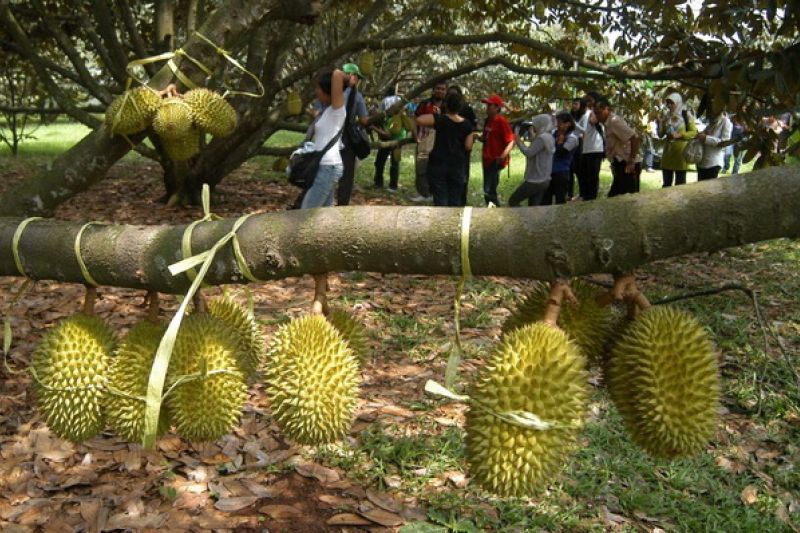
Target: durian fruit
183	148
352	331
294	104
280	164
244	323
173	120
663	378
132	111
128	376
312	379
366	62
540	370
211	112
69	367
588	323
207	405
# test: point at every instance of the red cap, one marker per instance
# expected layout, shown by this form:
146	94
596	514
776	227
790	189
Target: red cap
494	99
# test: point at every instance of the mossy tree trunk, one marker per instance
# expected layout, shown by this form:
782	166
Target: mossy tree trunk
614	235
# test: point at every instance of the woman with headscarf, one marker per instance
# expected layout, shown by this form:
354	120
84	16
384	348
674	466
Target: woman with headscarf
538	164
677	127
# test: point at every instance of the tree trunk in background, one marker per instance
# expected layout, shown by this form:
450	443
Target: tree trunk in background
612	235
191	16
165	25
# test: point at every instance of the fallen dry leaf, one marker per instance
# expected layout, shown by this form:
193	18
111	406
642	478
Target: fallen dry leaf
749	495
281	513
383	500
336	501
321	473
348	519
231	505
382	517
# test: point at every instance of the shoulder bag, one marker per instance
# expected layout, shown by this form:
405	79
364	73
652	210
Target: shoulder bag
303	166
355	137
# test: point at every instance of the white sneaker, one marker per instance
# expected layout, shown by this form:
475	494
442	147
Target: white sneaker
421	199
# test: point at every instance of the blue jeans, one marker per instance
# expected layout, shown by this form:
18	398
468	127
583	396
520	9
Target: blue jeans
321	192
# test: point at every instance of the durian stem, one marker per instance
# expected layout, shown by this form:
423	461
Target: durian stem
153	306
319	306
89	299
199	302
559	292
623	285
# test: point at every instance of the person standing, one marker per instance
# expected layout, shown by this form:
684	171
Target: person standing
498	140
577	112
622	149
469	115
329	91
538	163
677	127
718	131
592	150
356	111
737	134
453	141
566	144
393	128
426	137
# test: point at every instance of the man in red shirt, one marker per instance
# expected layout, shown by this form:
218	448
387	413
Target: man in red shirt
498	140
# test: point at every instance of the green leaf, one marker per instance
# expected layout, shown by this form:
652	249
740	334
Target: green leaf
422	527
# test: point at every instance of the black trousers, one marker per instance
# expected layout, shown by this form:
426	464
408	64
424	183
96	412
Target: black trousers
380	164
589	174
532	192
558	189
345	189
679	175
447	185
624	183
491	179
708	173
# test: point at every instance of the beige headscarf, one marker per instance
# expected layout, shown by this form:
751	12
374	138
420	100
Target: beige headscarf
675	118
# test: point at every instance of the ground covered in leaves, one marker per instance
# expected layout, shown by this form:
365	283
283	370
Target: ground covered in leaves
401	467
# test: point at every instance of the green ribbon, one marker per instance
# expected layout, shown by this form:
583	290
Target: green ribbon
77	247
15	243
454	360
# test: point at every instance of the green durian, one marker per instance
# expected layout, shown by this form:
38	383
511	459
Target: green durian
183	148
352	331
536	369
207	405
211	112
245	324
69	368
173	120
128	376
132	111
663	378
588	323
294	104
312	379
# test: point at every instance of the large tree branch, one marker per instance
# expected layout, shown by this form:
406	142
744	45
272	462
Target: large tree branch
137	40
107	28
614	235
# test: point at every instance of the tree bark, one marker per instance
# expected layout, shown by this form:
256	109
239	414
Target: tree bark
613	235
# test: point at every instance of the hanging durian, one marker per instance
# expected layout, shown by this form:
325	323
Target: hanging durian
208	389
294	104
132	111
588	323
312	379
69	368
245	324
366	62
173	119
663	378
211	112
183	148
539	370
128	376
352	331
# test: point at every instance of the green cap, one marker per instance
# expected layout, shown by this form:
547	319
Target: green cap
352	68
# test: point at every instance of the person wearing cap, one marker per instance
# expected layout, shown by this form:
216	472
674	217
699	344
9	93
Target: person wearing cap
357	108
498	140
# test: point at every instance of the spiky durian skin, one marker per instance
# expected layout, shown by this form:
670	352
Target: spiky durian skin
173	120
205	408
352	331
211	112
183	148
244	323
663	378
128	376
588	323
312	380
70	366
132	111
537	369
